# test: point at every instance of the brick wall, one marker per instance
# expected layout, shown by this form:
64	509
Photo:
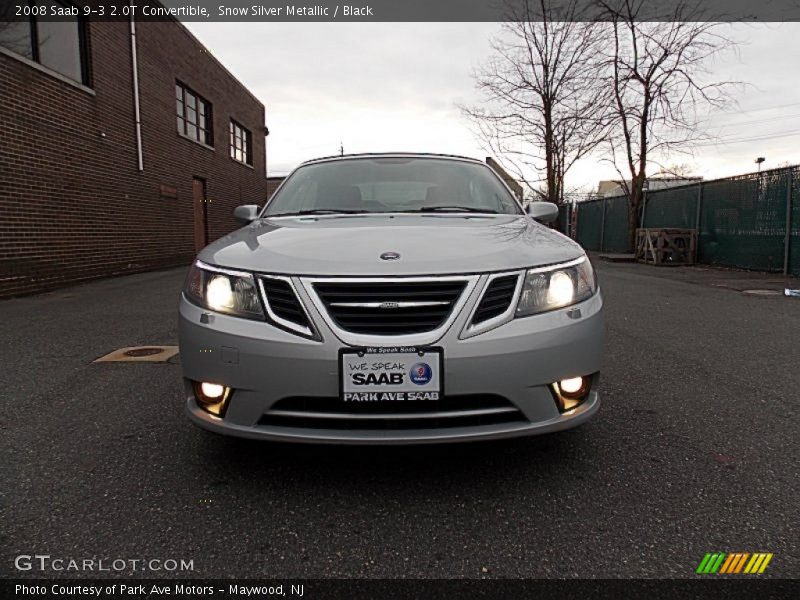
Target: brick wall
273	183
73	205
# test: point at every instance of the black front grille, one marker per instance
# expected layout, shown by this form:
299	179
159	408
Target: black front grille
333	404
474	410
496	299
342	302
283	301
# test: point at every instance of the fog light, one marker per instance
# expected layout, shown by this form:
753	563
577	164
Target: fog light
570	393
212	390
211	397
568	386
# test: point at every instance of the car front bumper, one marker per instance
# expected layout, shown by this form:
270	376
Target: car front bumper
516	362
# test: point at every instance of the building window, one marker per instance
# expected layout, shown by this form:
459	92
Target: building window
58	45
241	144
194	115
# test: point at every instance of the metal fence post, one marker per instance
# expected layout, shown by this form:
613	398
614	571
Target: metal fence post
644	207
574	223
697	220
603	226
788	238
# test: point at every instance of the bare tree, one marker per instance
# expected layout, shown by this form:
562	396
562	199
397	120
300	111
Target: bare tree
544	107
677	170
658	74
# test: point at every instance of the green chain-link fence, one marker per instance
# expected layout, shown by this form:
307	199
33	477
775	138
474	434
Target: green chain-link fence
794	238
675	209
615	230
563	219
741	221
589	230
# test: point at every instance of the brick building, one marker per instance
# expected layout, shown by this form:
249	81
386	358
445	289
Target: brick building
505	176
86	191
273	183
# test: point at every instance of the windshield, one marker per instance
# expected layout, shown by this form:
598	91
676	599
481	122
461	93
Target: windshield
396	184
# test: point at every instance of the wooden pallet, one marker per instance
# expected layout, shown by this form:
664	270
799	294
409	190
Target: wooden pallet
666	246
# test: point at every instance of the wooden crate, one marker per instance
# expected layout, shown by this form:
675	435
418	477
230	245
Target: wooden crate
666	246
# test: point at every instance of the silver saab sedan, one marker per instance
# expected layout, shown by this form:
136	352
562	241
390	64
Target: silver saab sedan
391	298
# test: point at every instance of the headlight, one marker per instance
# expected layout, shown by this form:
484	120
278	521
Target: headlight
549	288
229	292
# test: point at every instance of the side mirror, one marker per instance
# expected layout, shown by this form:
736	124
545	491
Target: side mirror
546	212
246	213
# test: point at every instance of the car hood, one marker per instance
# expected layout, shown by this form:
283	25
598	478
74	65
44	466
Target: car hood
427	245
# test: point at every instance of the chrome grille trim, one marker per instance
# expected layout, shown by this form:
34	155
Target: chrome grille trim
413	339
470	411
400	304
304	330
472	329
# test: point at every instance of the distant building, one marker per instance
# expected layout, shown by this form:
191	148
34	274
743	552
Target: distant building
614	187
273	182
125	147
504	175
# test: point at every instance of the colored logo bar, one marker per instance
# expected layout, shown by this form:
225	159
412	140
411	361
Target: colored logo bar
734	563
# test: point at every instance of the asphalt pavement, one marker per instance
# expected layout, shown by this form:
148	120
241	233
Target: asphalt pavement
695	450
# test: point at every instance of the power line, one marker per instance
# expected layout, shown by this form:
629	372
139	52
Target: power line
750	110
767	120
751	139
771	107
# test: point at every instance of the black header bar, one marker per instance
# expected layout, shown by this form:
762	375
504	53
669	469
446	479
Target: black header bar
373	11
383	589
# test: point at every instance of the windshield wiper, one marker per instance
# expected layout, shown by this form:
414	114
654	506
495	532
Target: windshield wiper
455	209
320	211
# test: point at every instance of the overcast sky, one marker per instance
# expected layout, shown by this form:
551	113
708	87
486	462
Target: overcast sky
395	86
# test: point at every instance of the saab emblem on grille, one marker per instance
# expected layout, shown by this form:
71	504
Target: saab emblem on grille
390	256
389	305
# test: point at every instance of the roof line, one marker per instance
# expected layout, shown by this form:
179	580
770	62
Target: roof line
215	59
391	154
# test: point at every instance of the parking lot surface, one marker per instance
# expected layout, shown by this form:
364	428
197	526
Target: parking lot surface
694	450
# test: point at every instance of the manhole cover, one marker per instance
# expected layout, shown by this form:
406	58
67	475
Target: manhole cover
140	354
137	352
762	292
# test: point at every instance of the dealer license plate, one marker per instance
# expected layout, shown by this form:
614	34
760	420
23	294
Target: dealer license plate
404	374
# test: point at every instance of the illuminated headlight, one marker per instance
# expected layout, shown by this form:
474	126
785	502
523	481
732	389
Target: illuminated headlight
548	288
229	292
